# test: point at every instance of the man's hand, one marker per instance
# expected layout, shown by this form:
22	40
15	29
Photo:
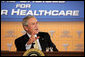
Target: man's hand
31	40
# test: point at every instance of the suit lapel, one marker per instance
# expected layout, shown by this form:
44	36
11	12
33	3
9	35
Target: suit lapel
41	40
26	38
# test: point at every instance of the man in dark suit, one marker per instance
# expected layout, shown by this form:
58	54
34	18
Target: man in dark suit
33	38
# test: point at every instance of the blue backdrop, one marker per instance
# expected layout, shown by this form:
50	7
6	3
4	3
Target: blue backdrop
67	5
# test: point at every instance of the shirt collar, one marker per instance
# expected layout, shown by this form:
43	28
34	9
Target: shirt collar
30	35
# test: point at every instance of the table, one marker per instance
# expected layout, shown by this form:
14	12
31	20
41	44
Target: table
60	53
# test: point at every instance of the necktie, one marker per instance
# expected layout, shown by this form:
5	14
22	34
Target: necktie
36	45
32	45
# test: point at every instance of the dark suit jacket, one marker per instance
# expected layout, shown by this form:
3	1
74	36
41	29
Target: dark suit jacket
44	40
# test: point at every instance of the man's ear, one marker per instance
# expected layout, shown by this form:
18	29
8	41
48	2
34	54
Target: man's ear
26	28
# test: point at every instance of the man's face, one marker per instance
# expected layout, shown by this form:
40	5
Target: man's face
32	26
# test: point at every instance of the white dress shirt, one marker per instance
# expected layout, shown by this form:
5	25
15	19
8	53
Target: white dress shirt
29	46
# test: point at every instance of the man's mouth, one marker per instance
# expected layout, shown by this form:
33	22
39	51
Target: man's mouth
36	29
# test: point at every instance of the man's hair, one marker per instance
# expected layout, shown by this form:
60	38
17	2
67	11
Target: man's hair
25	20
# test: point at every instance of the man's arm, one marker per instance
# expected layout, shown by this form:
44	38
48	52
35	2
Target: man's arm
19	46
50	43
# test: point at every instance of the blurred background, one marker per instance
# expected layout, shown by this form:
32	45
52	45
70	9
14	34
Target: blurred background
65	34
